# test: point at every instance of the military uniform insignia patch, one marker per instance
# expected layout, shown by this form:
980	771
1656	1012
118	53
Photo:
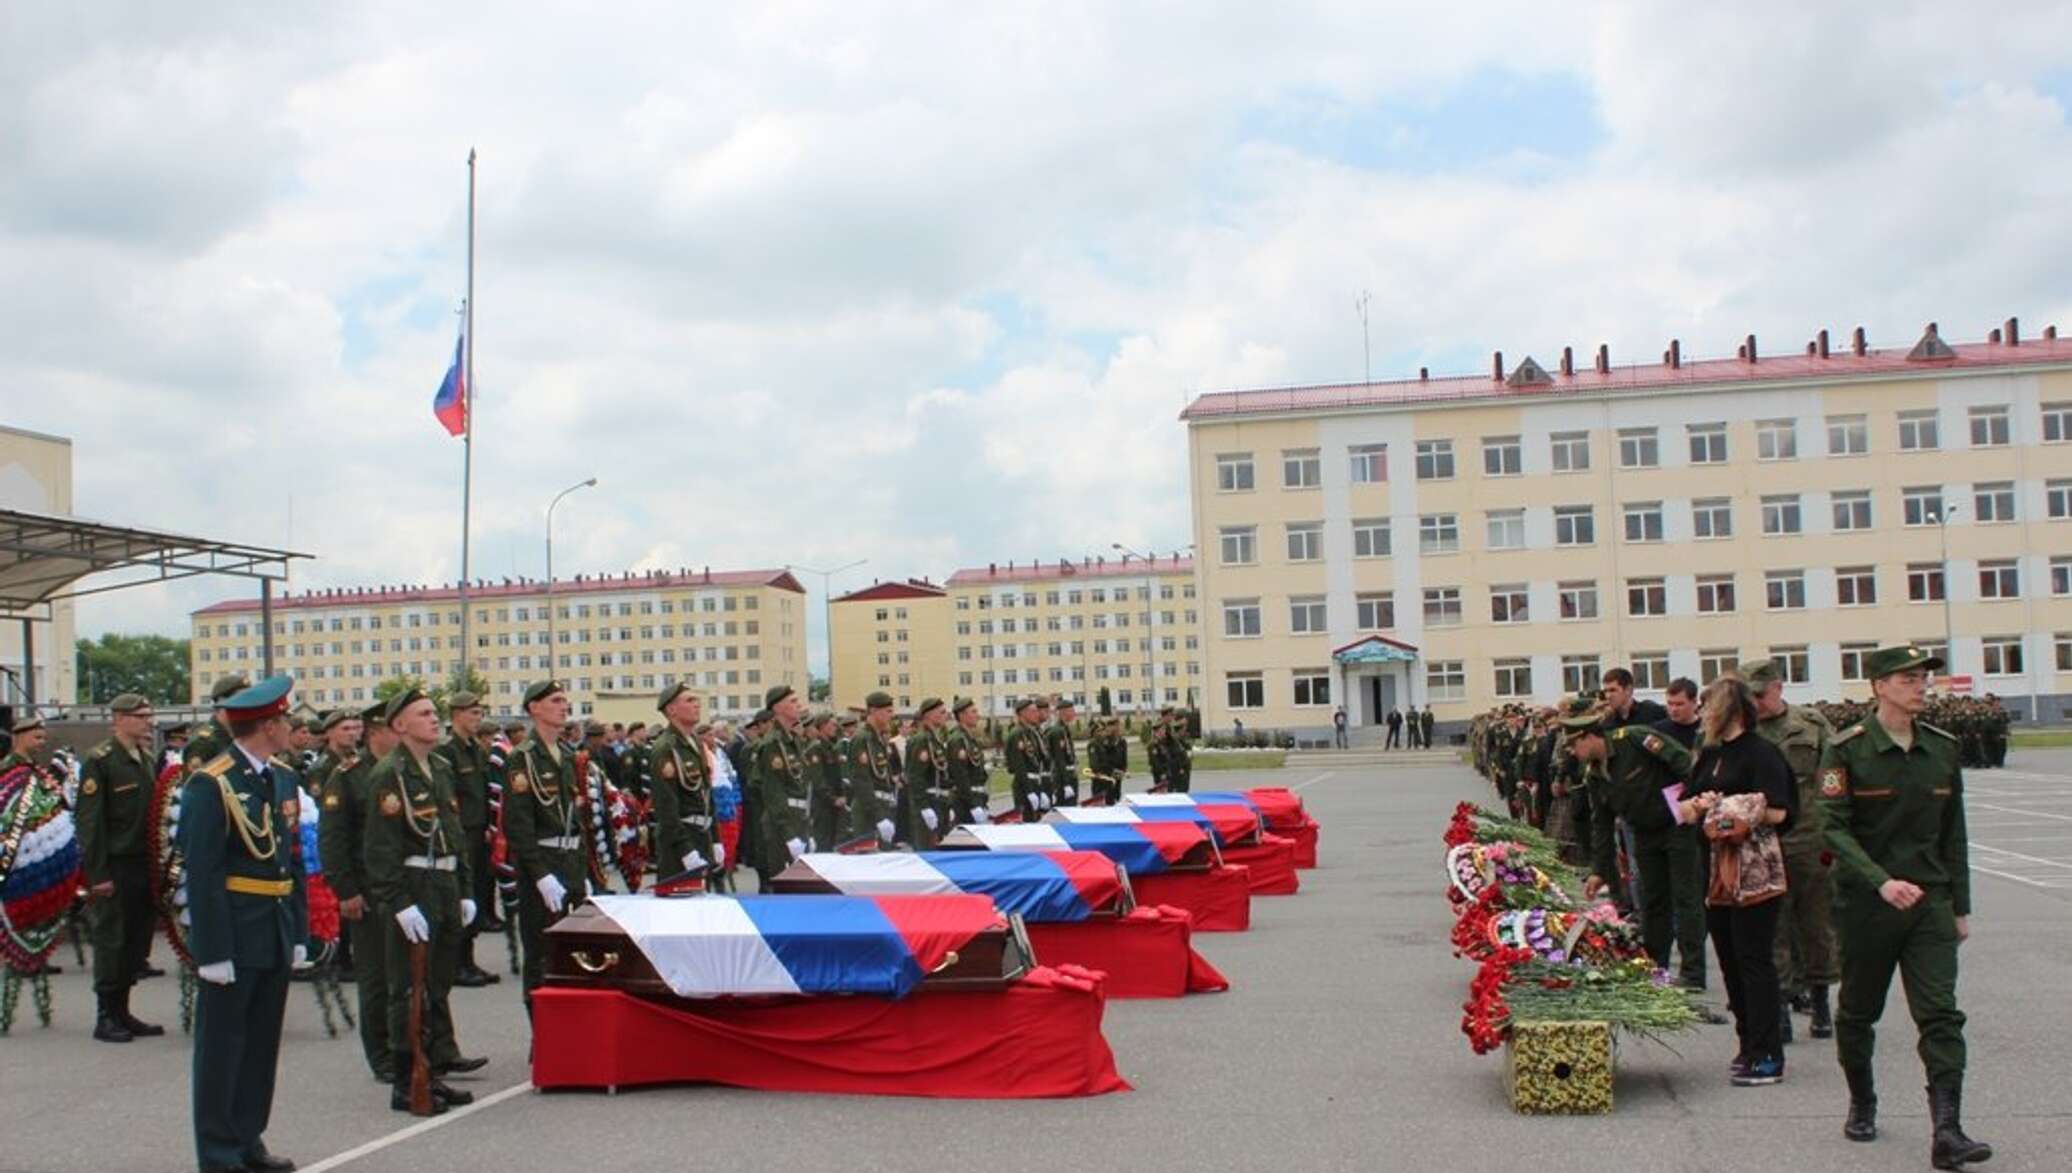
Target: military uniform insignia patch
1653	743
88	787
520	784
1833	781
962	756
391	805
330	802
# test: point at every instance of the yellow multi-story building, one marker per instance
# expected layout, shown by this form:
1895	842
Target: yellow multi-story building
891	637
1463	542
731	634
36	477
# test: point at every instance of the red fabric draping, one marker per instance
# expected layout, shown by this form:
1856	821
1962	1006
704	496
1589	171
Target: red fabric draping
1096	878
1279	806
1173	840
1040	1037
934	926
1220	898
1147	954
1233	823
1272	861
1305	838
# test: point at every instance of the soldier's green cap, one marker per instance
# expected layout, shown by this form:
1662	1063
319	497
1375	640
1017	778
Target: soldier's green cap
1577	705
1886	661
849	720
878	700
963	703
401	701
228	686
1757	674
762	717
333	718
1579	724
129	702
543	690
821	717
670	694
928	705
1065	702
593	729
515	728
460	701
27	721
176	729
776	693
1027	702
1041	702
375	713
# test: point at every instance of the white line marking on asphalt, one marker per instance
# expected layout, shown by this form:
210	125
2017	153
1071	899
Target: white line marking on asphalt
2010	810
2010	876
417	1129
2035	859
1313	781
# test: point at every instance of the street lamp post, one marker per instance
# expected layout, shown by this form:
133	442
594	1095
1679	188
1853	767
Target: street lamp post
827	616
553	653
1942	523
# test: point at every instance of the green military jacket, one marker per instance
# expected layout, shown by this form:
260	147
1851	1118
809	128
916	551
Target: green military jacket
831	798
1028	762
969	789
472	775
679	786
1156	757
412	831
544	809
784	794
928	758
341	823
1108	756
1064	763
1179	761
205	745
115	791
1801	734
1639	764
326	764
875	780
1893	813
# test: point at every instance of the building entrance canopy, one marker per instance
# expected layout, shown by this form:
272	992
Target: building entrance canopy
1375	649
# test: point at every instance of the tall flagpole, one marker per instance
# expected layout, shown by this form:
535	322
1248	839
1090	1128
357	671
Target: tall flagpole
467	444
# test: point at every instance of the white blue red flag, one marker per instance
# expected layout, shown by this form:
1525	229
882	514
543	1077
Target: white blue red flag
451	404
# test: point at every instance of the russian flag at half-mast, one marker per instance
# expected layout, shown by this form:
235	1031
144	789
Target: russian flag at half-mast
451	404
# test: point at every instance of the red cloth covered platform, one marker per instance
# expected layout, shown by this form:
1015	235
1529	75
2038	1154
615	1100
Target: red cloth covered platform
1305	838
1040	1037
1220	898
1146	954
1272	861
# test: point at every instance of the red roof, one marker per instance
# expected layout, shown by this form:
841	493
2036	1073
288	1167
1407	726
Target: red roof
383	596
1842	363
893	590
1051	571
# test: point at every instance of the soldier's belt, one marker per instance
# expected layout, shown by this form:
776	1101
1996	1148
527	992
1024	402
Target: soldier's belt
563	843
886	795
798	804
430	863
252	886
696	820
937	792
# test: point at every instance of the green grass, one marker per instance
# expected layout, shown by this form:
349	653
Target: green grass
2041	738
1204	760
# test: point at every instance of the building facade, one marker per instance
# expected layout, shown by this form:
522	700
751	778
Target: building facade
1465	542
36	477
891	637
731	634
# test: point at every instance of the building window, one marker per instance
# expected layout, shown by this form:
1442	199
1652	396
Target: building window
2057	423
1306	615
1240	545
1370	463
1570	451
1312	686
1650	670
1784	590
1509	604
1999	579
1712	517
1781	514
1708	443
1514	678
1438	533
1574	525
1853	657
1446	680
1856	586
2061	577
1646	597
1240	618
1502	456
1776	440
1370	537
1989	427
1582	673
1924	582
1794	664
1852	509
1993	501
1848	435
1714	663
2002	655
1442	606
1638	448
1506	529
1644	521
1245	690
1578	600
1301	468
1435	460
1921	505
2057	500
1375	611
1715	594
1919	431
1234	472
1305	541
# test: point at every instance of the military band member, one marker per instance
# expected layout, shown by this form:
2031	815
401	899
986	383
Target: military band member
247	923
969	790
679	784
875	776
543	826
784	788
1028	765
341	840
115	792
1107	761
1064	756
473	775
928	758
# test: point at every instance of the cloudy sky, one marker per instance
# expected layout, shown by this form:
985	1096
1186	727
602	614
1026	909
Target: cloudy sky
927	284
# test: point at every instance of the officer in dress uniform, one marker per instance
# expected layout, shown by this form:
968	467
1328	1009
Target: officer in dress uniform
1892	799
543	826
679	785
1107	761
1028	765
115	791
969	791
1064	756
875	775
473	775
782	784
928	760
248	922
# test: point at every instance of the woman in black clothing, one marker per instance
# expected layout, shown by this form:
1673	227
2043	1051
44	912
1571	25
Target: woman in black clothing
1736	760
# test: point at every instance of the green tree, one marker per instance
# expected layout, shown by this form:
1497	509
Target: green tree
818	689
154	665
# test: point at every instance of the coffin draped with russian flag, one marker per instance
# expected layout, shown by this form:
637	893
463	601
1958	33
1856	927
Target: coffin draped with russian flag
1171	863
1234	819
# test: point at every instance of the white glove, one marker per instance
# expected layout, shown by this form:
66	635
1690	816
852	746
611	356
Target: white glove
979	814
416	929
552	892
885	830
300	959
219	973
1042	801
1072	792
797	847
692	861
928	817
467	911
719	855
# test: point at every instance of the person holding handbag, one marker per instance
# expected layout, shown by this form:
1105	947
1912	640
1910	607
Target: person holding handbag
1741	794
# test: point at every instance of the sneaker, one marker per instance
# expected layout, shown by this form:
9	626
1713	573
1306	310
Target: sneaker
1761	1072
1738	1068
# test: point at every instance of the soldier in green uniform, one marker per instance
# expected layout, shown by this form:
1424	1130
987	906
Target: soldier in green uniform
473	775
679	784
1179	754
875	774
928	761
417	876
817	752
635	758
341	830
970	793
115	790
1064	756
1805	953
543	826
1892	799
206	740
1156	756
1028	761
831	788
783	785
247	924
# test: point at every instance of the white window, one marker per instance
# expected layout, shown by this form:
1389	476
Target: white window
1438	533
1646	596
1582	673
1848	435
2057	423
1919	431
1234	472
2061	577
1578	600
1305	541
1924	582
1301	468
1375	611
2057	500
1852	509
1306	615
2002	655
1856	586
1989	427
1999	579
1639	448
1502	456
1240	618
1643	521
1312	686
1245	690
1446	680
1794	664
1921	504
1714	663
1776	440
1651	670
1370	537
1506	529
1853	660
1370	463
1514	678
1708	443
1712	517
1781	514
1509	604
1240	545
1442	606
1784	590
1435	460
1574	525
1715	594
1993	501
1571	451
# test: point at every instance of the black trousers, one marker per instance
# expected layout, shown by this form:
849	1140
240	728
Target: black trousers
1394	739
1744	939
237	1048
482	879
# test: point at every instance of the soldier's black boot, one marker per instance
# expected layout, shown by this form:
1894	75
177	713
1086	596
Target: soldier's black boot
1952	1149
1862	1124
399	1098
108	1025
138	1028
1823	1025
1784	1023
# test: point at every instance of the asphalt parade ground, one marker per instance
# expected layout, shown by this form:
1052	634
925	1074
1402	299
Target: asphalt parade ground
1338	1047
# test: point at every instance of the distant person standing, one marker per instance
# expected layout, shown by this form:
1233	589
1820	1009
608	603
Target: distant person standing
1338	727
1395	738
1424	726
1237	730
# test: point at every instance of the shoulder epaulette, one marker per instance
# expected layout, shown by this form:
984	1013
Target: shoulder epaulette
1619	734
1933	729
1855	730
217	766
103	750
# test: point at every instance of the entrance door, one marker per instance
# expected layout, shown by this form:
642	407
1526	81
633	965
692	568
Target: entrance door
1381	697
